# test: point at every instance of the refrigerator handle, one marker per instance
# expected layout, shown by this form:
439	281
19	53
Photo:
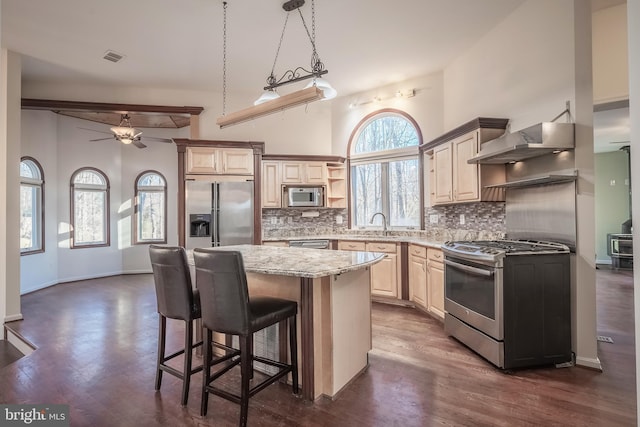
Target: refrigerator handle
215	214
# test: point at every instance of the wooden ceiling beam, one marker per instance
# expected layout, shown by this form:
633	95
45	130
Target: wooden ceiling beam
50	104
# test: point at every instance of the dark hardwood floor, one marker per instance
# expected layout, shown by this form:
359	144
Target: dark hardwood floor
96	352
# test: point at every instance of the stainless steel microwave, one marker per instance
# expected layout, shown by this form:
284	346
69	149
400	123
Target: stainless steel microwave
304	196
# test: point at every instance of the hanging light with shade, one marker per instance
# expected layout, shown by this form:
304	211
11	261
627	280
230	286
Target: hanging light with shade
270	101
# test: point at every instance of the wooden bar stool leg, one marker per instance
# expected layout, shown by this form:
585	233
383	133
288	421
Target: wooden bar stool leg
206	372
162	332
188	355
245	373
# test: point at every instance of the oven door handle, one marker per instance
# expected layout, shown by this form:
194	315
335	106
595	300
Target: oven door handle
469	269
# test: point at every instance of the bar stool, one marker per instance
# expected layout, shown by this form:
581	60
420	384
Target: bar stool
176	300
227	309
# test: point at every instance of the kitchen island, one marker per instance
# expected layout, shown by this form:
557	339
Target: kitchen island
334	308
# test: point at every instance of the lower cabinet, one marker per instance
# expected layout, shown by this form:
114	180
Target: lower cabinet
418	275
280	243
435	282
385	275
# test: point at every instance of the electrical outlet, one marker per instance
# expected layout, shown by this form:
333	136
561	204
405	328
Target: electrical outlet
338	219
612	182
461	219
433	218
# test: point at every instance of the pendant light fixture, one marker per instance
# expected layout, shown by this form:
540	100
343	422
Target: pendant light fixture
270	101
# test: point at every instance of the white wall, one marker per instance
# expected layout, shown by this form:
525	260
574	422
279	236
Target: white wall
39	140
521	70
61	147
610	58
633	19
162	158
425	108
10	71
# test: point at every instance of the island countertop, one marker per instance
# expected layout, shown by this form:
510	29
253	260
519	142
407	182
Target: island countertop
299	262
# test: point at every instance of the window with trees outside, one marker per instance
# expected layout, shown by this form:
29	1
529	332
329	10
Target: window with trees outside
385	171
31	206
90	208
151	208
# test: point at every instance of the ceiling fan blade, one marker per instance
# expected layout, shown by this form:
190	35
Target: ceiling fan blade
137	134
93	130
100	139
619	142
153	138
138	143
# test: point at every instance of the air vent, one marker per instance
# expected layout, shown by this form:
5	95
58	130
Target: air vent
112	56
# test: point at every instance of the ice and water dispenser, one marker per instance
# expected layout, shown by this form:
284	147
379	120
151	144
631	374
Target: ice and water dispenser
200	225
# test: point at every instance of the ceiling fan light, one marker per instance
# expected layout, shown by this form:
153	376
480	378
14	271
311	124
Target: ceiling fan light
267	95
325	86
126	140
121	130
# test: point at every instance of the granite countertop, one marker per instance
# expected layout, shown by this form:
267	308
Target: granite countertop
299	262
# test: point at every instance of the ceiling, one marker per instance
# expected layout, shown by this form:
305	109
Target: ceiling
179	45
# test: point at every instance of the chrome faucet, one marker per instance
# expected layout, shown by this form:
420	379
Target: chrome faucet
384	221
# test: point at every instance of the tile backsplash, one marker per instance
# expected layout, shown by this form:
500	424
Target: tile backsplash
470	221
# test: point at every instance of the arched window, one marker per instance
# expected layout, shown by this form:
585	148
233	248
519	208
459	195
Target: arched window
31	206
385	170
151	208
89	208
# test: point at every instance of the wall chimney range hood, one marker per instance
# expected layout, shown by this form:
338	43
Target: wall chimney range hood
537	140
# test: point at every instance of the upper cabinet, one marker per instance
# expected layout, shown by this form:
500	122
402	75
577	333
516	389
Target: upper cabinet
304	173
219	161
291	170
451	178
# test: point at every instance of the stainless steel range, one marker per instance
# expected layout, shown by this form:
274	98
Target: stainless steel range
509	300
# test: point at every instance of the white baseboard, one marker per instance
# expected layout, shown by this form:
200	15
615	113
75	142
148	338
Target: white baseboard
13	317
20	343
589	363
604	261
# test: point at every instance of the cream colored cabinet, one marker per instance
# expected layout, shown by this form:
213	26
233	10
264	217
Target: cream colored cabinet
418	275
217	161
385	275
336	186
304	173
278	243
271	187
347	245
453	180
442	185
435	282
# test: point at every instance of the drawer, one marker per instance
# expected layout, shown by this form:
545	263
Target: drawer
416	250
435	255
381	247
345	245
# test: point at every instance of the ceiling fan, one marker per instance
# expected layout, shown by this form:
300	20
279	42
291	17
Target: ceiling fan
127	134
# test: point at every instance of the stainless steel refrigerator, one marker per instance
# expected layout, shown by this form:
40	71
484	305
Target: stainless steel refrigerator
218	213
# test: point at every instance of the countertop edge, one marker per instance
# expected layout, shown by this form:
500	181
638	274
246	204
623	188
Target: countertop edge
390	239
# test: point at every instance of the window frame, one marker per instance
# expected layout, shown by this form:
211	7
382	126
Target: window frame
136	238
384	157
107	210
40	185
